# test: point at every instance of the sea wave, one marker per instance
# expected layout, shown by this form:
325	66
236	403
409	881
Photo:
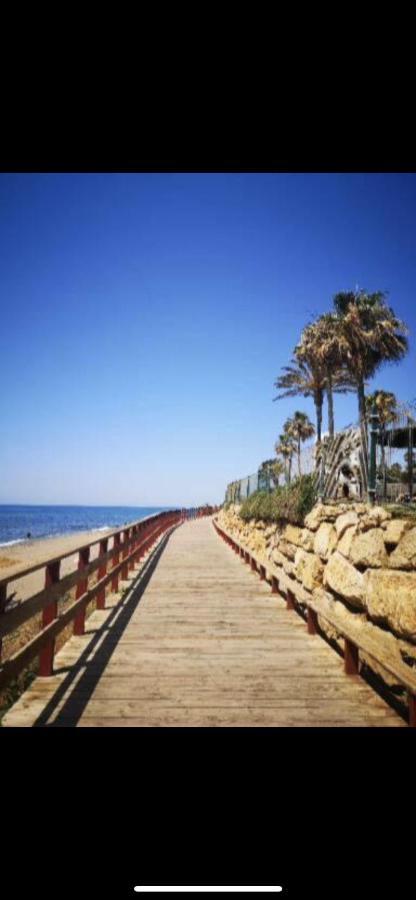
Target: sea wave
9	543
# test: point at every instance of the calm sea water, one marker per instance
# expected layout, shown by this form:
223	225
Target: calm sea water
48	521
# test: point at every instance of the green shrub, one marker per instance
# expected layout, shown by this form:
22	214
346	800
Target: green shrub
257	506
401	511
16	688
288	504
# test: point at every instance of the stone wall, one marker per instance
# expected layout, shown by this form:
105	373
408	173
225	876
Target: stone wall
360	555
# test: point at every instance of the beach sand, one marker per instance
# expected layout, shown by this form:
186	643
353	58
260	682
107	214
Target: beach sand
28	553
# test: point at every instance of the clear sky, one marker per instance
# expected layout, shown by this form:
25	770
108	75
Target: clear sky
146	317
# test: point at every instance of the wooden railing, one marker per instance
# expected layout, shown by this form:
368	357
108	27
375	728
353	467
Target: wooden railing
198	512
321	603
129	544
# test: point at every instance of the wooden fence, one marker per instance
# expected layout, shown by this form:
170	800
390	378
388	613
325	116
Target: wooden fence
129	544
322	604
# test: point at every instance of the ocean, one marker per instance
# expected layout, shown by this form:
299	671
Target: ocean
49	521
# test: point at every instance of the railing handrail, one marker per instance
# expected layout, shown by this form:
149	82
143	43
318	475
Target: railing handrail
42	645
23	570
320	603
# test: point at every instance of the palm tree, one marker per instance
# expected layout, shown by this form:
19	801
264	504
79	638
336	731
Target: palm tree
304	377
266	474
285	448
320	341
386	405
300	428
278	470
369	335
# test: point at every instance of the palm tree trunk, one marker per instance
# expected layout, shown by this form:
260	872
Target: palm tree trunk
330	395
383	465
299	469
361	400
289	469
318	409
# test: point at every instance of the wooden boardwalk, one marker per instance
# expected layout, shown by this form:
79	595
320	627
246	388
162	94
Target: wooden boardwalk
198	640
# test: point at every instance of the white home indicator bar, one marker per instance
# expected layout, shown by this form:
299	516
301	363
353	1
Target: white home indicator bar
210	889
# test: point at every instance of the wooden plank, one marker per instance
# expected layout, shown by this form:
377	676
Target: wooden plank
207	645
15	664
322	603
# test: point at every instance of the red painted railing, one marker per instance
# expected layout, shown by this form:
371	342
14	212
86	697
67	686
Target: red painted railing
129	544
352	645
198	512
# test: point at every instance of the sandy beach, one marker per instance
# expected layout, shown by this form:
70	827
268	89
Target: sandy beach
13	558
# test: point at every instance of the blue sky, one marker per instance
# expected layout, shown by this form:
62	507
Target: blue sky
146	317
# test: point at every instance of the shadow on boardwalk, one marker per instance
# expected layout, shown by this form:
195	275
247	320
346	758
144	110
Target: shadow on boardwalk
209	645
109	635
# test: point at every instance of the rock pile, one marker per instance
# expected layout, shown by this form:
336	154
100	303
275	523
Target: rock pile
356	552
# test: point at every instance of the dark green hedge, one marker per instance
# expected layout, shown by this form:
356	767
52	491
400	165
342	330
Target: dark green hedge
288	504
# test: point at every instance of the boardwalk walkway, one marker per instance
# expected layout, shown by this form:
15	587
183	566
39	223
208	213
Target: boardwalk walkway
198	640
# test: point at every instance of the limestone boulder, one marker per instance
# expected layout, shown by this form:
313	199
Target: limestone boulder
394	529
325	540
307	539
314	518
368	549
404	556
344	545
275	539
345	521
321	513
332	511
379	515
287	549
373	517
390	598
280	560
293	535
309	569
342	578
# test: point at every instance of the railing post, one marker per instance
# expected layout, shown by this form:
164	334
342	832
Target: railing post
49	613
125	550
146	540
101	572
275	585
134	536
312	621
351	658
138	554
290	600
82	587
115	561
